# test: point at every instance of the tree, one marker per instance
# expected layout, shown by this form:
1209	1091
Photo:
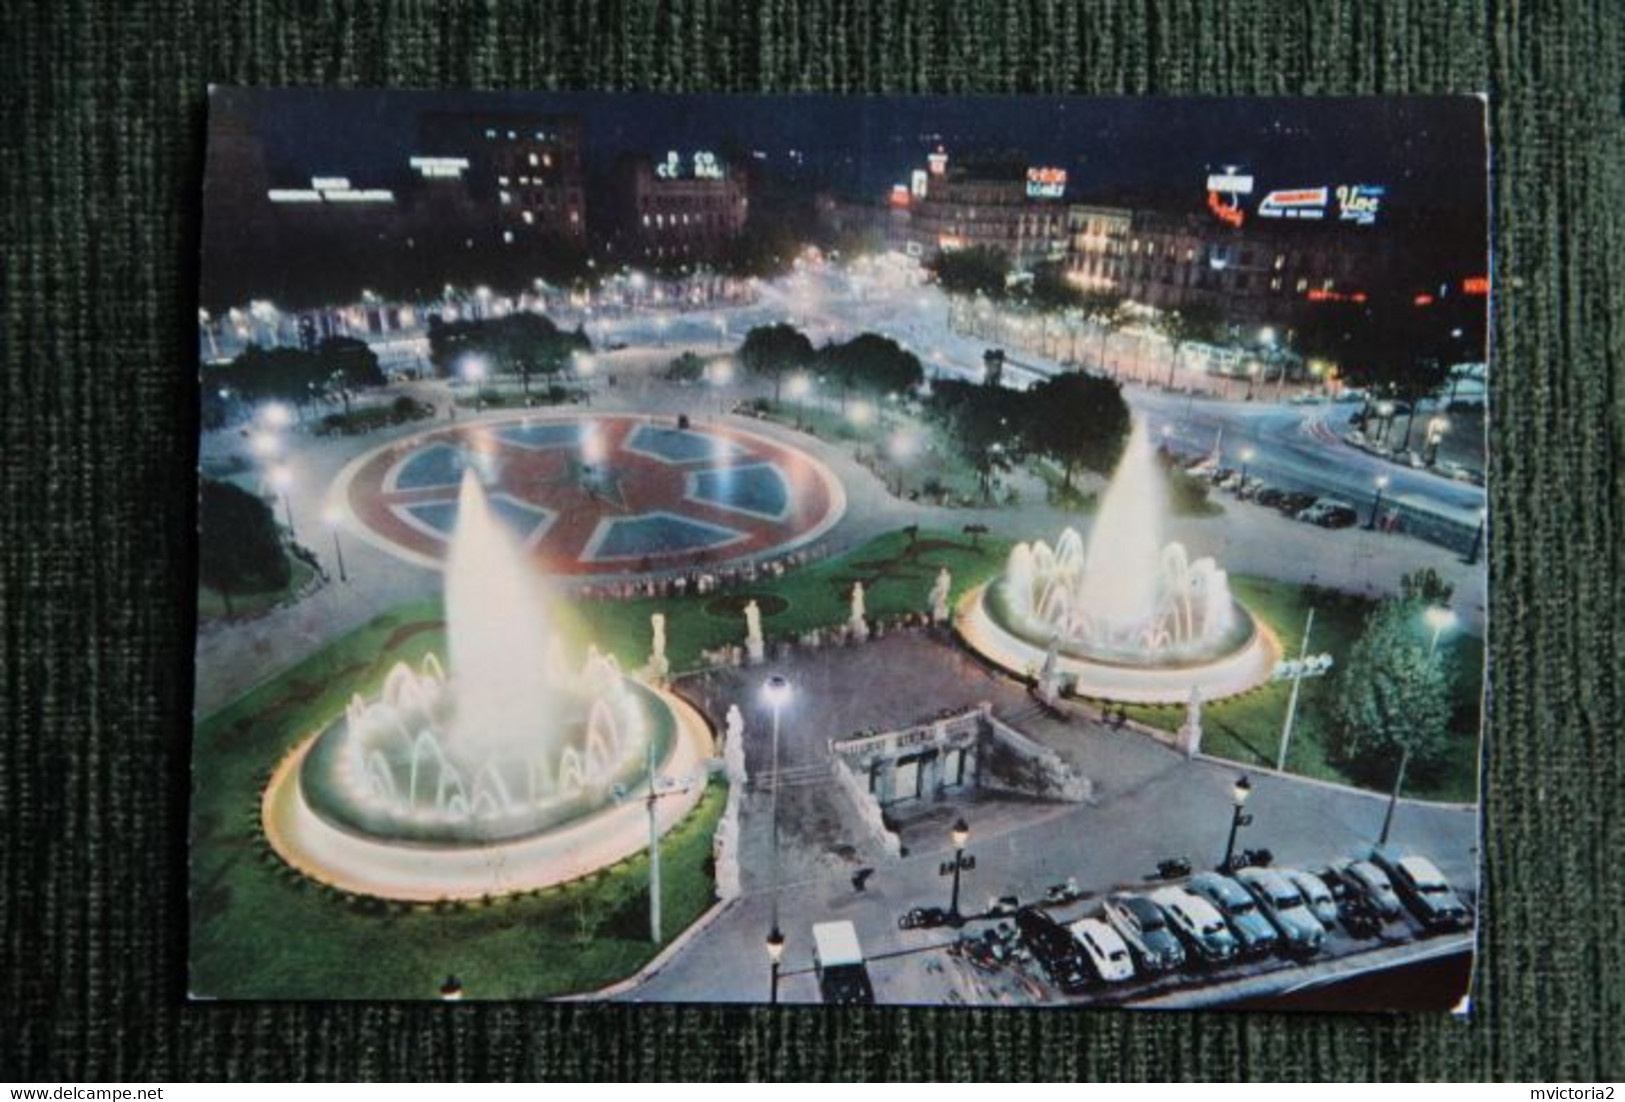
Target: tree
872	364
1391	701
985	423
687	368
348	364
979	270
773	351
519	344
1077	420
1389	347
239	546
1199	321
1050	289
1426	588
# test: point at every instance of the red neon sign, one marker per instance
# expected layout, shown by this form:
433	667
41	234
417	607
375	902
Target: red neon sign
1231	215
1423	299
1316	294
1475	285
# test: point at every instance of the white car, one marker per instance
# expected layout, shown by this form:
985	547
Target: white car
1315	893
1105	950
1198	923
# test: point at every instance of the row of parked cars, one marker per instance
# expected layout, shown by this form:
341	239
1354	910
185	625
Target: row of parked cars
1327	512
1214	919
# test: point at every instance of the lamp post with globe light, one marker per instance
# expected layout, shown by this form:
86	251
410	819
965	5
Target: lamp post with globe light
1239	792
1381	483
777	692
960	864
775	955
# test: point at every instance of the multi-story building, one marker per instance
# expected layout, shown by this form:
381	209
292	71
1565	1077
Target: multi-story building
990	206
524	170
1254	273
675	209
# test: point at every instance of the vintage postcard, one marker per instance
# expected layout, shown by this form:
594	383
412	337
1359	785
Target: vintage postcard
947	551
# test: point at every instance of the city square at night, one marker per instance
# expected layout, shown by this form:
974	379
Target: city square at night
950	551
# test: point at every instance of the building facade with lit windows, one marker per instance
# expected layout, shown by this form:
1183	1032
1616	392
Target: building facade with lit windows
1253	273
675	209
992	207
524	170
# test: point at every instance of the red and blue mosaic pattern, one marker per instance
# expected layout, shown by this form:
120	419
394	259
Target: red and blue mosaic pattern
611	494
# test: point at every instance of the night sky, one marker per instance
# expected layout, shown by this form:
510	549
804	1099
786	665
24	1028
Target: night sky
1429	152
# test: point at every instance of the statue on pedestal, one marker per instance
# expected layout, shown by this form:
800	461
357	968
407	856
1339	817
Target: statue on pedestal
755	648
857	626
939	596
1190	732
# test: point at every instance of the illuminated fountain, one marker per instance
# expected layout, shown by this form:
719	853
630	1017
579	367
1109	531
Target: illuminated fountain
500	775
1125	616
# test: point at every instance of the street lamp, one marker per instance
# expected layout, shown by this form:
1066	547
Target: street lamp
281	479
1238	798
720	373
1252	378
1437	427
264	443
1381	482
452	990
1440	619
777	693
1246	458
1478	538
799	387
960	863
334	516
775	954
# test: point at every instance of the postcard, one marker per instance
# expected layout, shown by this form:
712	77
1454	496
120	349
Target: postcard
908	550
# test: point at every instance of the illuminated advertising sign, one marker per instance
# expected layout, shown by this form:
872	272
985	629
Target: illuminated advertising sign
1046	183
899	195
1475	285
938	162
1224	192
704	166
1303	202
440	167
1359	203
918	183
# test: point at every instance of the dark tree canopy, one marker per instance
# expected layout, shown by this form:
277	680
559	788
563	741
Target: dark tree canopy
977	270
872	364
687	368
338	364
1078	420
239	546
519	344
773	351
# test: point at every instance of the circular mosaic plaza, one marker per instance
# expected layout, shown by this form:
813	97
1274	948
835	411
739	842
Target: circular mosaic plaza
597	495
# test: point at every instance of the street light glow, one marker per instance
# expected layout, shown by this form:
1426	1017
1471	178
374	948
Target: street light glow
775	946
799	385
776	691
1241	790
1381	481
264	443
280	477
474	368
961	833
860	413
276	415
1440	619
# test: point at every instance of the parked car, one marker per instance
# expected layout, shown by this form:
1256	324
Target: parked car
1001	906
1329	513
1198	925
1054	948
1294	502
1142	925
1106	951
1423	888
1301	932
1315	893
1253	931
1371	881
1270	496
1355	910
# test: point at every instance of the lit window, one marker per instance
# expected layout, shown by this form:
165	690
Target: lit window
1303	285
575	216
547	160
502	180
507	237
506	197
533	159
645	219
530	219
1280	261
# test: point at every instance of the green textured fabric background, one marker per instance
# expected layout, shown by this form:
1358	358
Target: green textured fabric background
103	108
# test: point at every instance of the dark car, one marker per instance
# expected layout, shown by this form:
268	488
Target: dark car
1423	889
1294	502
1370	881
1141	924
1270	496
1355	911
1330	514
1253	931
1054	948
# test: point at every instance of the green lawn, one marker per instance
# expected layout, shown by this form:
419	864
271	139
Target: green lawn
1247	728
935	456
896	577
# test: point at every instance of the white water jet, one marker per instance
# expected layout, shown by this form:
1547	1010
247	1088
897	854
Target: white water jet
1127	595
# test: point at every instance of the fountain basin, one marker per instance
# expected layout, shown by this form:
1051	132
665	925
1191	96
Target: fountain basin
1244	659
418	871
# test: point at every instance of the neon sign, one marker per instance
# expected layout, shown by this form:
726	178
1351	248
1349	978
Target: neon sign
899	195
938	162
1228	183
1318	294
440	167
1359	203
917	183
1046	183
1307	202
1475	285
705	166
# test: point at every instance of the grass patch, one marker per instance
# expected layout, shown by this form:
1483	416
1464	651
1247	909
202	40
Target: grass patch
934	470
1247	728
